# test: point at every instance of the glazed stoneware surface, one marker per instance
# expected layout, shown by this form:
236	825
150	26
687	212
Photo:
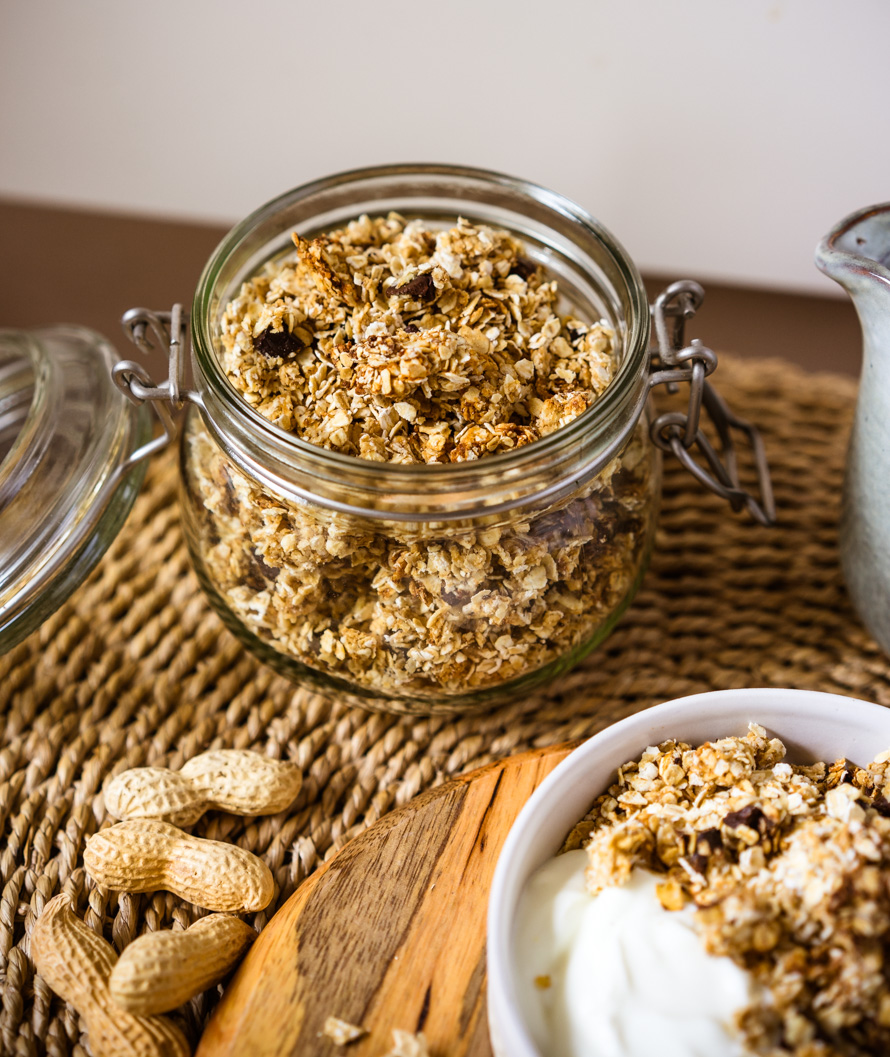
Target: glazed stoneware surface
856	254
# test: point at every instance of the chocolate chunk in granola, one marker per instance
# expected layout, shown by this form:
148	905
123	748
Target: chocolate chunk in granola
708	842
229	504
274	343
420	288
269	571
260	574
841	772
750	816
211	532
524	268
699	863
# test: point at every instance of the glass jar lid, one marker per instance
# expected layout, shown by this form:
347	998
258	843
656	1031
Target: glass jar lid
70	468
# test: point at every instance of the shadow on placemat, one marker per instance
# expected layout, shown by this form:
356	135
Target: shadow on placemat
136	669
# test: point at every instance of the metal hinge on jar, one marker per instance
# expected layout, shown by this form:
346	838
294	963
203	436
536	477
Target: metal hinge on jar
680	432
170	329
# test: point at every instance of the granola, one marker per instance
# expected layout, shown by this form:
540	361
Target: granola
395	343
342	1032
786	865
408	1044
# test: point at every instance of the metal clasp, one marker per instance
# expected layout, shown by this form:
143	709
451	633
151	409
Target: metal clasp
170	329
680	432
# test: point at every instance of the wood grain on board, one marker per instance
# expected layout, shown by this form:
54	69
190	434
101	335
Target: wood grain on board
389	934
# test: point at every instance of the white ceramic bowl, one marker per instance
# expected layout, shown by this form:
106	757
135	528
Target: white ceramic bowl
813	726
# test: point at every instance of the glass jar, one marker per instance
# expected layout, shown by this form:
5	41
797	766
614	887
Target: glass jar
424	587
427	587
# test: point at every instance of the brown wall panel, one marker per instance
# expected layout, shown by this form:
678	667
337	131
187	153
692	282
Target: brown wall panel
77	266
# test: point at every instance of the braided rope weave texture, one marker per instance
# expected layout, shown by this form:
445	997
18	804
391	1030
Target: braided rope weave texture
136	669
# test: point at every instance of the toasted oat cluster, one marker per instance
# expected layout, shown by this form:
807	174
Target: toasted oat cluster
408	1044
389	341
788	867
399	343
342	1032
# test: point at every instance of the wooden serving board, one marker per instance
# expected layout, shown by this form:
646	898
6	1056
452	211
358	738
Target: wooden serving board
389	934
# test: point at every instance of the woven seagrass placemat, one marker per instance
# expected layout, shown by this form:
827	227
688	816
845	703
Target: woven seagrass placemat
136	669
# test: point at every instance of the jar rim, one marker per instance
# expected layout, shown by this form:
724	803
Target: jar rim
236	424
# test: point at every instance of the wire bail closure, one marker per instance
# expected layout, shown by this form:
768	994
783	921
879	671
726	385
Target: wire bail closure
170	329
679	432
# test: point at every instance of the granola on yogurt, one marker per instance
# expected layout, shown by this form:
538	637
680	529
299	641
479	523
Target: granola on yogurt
788	867
396	342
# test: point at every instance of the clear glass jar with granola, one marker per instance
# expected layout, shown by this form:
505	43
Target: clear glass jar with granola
418	467
421	475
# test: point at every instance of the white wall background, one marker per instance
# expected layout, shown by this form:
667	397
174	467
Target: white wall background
716	138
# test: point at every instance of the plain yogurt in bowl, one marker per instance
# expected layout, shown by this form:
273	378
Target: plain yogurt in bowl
569	979
603	976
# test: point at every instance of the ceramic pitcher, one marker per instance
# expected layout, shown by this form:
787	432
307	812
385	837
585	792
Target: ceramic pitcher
856	254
